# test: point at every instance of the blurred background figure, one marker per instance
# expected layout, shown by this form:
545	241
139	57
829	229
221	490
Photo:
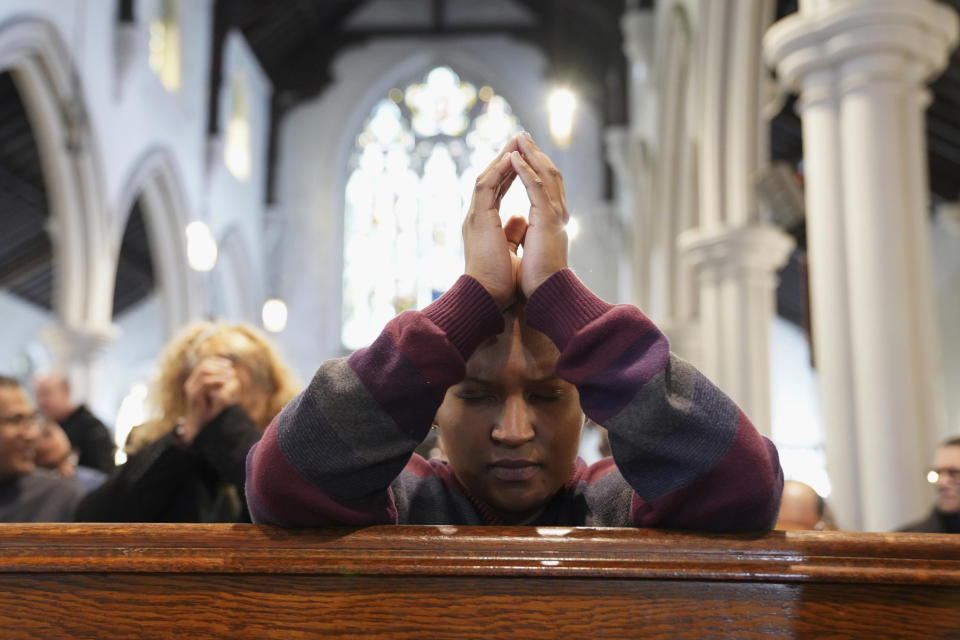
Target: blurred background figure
802	508
594	442
87	434
28	494
53	451
218	388
945	477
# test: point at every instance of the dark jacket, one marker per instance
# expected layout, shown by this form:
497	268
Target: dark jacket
935	522
91	438
165	482
38	496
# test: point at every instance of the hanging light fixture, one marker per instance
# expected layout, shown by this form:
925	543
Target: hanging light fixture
274	315
561	106
201	247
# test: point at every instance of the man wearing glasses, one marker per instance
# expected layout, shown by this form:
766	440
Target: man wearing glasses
945	476
28	494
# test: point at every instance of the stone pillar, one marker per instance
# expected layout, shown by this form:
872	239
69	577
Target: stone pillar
628	155
860	66
639	37
733	253
77	352
737	273
625	157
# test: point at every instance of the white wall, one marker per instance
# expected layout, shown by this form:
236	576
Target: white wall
797	423
235	206
23	324
317	139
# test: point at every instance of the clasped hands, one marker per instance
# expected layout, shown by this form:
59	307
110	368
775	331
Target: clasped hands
212	386
490	249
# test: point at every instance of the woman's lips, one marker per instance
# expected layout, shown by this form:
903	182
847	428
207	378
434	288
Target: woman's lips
514	470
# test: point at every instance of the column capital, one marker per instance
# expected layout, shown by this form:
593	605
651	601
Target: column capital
757	248
830	34
79	344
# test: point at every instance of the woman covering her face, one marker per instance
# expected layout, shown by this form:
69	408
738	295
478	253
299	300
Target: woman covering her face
218	387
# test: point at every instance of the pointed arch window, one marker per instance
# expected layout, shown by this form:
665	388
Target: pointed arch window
236	148
165	43
411	179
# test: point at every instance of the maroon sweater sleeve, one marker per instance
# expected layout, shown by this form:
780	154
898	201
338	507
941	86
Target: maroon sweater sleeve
692	457
329	457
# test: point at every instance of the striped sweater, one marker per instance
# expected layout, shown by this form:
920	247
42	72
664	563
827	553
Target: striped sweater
684	455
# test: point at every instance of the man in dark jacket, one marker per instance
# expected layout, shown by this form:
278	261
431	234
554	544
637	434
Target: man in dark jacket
945	476
87	433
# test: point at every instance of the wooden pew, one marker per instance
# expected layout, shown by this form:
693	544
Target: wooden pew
245	581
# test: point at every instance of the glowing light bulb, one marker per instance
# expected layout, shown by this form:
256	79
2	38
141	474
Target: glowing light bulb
274	315
561	105
201	247
573	228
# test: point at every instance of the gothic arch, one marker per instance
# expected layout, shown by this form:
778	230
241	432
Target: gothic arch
404	70
35	54
235	283
156	181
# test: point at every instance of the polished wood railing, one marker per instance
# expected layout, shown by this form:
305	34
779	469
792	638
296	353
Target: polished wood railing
245	581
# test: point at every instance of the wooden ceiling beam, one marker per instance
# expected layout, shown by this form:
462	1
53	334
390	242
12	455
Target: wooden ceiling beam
26	261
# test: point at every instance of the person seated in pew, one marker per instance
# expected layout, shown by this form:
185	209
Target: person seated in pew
88	435
27	493
218	387
803	509
53	451
505	364
945	477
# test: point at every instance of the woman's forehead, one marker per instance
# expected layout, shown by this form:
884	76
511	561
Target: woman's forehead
519	349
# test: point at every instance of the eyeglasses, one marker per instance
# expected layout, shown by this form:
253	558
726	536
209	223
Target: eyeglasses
951	475
21	420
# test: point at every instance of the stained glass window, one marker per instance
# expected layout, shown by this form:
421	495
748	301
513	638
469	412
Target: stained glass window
411	179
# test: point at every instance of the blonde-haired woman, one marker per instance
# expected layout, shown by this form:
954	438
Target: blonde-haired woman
218	387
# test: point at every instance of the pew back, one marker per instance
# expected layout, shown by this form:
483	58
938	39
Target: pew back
246	581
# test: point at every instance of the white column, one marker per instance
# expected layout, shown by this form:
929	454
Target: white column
735	256
829	297
737	270
628	155
623	156
77	351
638	27
861	67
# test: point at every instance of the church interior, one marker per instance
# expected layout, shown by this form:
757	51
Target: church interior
776	185
237	288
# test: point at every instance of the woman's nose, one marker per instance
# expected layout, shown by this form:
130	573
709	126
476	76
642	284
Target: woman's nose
515	425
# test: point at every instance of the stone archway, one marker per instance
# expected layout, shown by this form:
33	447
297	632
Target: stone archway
155	180
35	55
